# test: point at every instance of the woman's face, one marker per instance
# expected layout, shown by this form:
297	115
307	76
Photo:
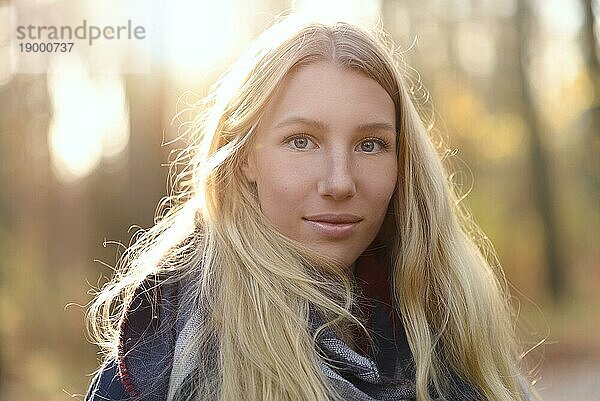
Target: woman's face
324	160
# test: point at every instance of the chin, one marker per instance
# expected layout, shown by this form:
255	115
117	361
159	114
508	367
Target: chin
343	258
342	253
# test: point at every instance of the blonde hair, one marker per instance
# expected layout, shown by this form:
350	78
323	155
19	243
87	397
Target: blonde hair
255	286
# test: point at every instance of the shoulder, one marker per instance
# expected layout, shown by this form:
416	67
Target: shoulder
106	384
147	336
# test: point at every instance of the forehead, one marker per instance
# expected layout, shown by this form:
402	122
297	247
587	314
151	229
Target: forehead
326	92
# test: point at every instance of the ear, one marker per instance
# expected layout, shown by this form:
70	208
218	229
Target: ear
249	169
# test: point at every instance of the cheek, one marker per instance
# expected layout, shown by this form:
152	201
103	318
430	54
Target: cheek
282	190
388	186
380	184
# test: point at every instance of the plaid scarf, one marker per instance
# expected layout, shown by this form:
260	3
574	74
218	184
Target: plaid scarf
158	324
382	370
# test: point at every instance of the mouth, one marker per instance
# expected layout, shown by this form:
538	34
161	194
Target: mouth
333	225
334	218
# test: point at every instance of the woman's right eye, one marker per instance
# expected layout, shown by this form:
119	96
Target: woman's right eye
301	142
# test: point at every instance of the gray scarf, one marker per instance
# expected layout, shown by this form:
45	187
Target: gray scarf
355	377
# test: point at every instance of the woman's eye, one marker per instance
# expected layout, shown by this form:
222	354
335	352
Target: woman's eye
301	142
372	146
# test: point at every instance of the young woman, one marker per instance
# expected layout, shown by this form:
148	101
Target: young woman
314	250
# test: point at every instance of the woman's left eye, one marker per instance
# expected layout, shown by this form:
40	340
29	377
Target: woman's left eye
372	145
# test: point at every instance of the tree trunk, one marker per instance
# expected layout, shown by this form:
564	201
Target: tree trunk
540	175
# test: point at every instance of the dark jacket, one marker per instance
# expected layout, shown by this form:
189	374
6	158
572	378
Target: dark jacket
382	371
142	366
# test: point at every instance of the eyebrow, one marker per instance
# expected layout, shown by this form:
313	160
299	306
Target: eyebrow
319	125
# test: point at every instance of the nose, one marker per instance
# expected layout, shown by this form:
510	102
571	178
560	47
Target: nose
337	180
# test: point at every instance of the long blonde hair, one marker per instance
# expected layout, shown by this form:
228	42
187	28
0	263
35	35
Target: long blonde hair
255	286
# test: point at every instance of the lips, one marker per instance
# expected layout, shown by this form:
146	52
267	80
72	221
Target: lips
334	218
333	225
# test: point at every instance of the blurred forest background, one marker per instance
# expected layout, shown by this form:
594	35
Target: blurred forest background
513	87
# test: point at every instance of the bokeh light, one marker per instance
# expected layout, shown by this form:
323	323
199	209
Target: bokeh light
89	118
357	11
7	59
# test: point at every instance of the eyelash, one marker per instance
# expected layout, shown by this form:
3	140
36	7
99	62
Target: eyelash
385	145
382	142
